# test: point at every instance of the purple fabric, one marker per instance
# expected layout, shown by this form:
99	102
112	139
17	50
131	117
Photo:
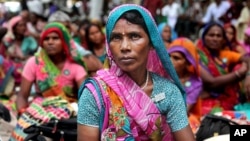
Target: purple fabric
247	31
246	47
193	90
184	51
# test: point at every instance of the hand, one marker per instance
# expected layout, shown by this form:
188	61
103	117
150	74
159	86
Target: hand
243	69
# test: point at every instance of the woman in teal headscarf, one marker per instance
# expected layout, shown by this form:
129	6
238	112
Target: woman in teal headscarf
138	96
168	34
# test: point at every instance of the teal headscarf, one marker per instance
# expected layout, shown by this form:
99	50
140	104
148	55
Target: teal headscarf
154	36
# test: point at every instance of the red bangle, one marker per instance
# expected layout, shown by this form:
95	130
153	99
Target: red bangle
21	111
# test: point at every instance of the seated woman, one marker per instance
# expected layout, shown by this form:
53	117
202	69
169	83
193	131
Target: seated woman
139	96
231	34
186	63
220	84
246	42
17	46
167	33
92	63
80	38
57	77
95	40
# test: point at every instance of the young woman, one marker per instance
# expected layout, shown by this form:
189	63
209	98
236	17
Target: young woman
246	42
231	34
96	41
135	91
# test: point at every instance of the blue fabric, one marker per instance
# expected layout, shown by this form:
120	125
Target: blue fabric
154	36
173	103
29	45
173	33
95	84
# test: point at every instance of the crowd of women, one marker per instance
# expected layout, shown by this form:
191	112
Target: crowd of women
132	81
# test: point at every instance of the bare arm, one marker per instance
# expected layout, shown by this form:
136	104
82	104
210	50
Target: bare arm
184	134
247	78
87	133
241	50
22	97
79	82
92	62
189	107
214	82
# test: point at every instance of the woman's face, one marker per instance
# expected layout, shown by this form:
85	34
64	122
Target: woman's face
20	27
82	32
166	33
229	33
52	44
179	62
214	38
129	45
95	35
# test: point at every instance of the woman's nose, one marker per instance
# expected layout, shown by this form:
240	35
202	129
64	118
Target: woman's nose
125	45
50	41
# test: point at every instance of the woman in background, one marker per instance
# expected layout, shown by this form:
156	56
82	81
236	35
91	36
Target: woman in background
167	33
231	34
95	40
185	59
57	74
221	84
17	46
246	42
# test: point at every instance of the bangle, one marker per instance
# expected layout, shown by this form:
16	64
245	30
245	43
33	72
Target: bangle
237	74
21	111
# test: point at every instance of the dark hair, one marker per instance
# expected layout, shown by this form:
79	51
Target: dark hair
135	17
212	24
84	23
90	44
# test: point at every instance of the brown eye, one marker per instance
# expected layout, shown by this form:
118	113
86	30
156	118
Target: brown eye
116	37
134	36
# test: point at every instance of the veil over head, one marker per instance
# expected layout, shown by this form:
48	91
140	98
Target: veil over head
158	60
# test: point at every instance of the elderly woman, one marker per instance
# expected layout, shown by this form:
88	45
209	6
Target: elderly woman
221	83
134	98
57	74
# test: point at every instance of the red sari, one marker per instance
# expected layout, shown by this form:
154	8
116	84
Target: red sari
225	97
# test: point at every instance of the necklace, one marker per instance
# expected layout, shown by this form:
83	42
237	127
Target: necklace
146	83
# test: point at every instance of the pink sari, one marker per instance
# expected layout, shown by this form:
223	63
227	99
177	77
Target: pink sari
137	117
143	114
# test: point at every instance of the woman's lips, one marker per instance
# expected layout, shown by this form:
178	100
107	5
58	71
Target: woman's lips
127	60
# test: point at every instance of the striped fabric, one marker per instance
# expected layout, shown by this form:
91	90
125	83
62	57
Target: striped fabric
40	111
